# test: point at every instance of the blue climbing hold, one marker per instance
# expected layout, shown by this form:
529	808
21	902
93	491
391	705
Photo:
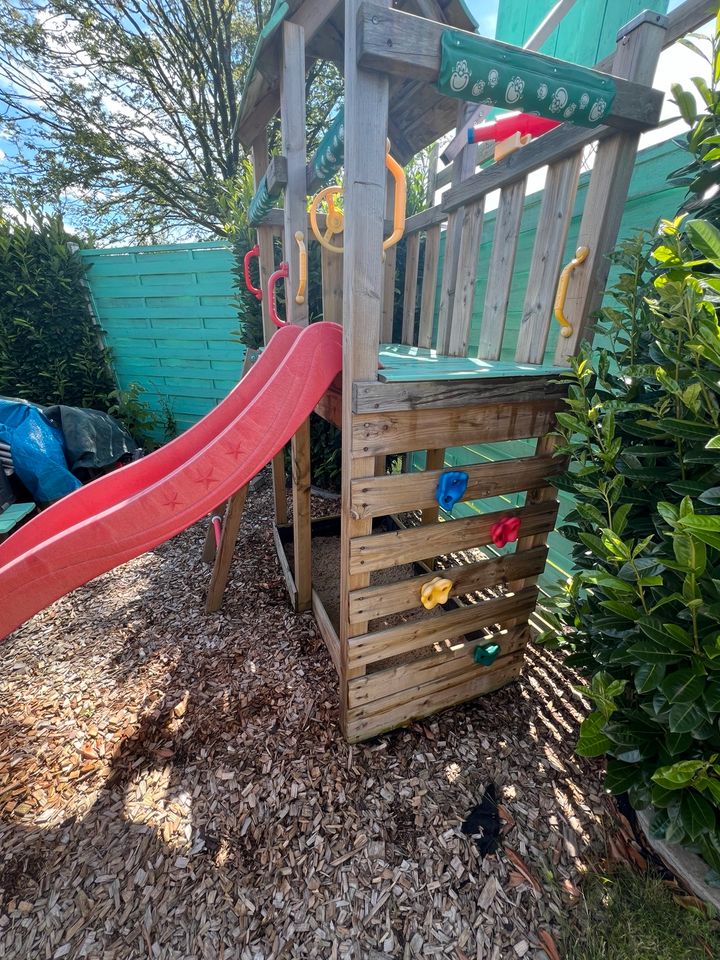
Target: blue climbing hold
451	486
486	655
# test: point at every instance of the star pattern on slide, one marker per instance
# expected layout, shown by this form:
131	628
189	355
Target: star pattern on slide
235	450
171	500
208	478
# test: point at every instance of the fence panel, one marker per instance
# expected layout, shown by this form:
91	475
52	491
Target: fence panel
168	314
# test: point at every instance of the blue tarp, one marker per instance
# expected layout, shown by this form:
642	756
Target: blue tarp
37	450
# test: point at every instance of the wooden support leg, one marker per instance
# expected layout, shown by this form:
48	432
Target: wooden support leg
301	516
224	556
209	547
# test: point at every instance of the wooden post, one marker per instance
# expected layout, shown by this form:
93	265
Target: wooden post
639	46
292	125
366	110
266	262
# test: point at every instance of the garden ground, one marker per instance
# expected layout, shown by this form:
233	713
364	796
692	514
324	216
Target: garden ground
175	785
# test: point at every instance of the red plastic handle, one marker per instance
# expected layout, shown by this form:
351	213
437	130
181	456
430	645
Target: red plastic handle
252	252
281	273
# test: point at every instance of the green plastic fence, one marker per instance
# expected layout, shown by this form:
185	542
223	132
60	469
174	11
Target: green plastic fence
168	313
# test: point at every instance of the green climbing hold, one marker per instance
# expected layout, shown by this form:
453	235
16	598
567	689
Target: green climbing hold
486	655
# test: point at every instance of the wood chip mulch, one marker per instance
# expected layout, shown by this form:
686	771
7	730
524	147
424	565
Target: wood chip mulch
175	785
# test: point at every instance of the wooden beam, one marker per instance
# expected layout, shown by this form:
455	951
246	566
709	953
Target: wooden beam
285	568
405	430
407	46
400	492
224	556
366	116
292	126
276	176
379	551
416	634
387	599
556	212
378	397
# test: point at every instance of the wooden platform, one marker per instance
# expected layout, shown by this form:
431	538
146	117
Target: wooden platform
402	364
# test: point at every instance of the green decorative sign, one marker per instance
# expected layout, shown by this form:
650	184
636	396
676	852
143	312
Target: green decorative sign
485	71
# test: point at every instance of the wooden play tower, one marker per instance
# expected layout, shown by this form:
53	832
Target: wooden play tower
407	70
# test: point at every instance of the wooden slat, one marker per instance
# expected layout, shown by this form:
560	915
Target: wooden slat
285	568
400	492
386	599
361	724
451	664
327	631
429	286
375	397
432	217
500	270
412	255
331	265
606	194
466	279
381	550
403	45
463	167
406	637
405	430
547	259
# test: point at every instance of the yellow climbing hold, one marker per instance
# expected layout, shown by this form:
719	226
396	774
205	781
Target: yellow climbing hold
435	591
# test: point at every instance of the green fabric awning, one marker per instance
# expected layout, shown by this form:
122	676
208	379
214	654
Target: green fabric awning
483	71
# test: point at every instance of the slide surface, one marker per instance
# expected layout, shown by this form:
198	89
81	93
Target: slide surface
127	512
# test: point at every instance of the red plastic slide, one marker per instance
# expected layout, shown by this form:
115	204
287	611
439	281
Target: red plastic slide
132	510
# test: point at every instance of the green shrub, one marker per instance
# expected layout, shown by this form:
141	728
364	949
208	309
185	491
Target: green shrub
642	613
642	432
50	351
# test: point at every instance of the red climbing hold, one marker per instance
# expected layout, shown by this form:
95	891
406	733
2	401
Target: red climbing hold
505	531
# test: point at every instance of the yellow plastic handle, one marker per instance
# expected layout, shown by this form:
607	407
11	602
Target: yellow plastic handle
566	328
399	201
435	591
302	255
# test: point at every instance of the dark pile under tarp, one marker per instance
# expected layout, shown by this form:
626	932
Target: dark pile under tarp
51	445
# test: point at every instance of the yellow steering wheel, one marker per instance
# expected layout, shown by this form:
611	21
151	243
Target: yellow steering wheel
334	221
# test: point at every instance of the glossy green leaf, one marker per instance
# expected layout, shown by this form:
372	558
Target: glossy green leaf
592	741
